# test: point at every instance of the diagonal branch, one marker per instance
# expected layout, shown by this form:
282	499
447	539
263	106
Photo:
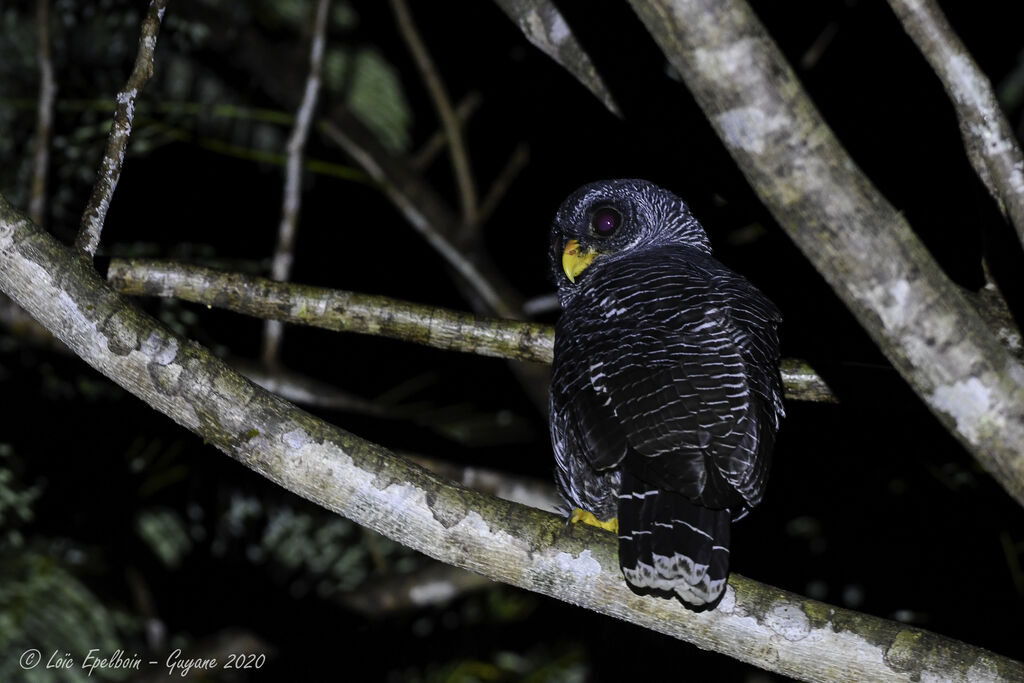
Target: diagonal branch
377	315
504	541
445	112
518	160
109	173
427	213
425	155
859	243
482	283
281	267
990	142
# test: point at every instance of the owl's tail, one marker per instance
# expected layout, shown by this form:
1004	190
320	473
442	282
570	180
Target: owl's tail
667	543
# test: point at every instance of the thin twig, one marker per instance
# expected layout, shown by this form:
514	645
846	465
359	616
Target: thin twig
284	254
426	213
813	54
463	110
342	311
109	172
513	167
307	391
988	137
44	116
449	121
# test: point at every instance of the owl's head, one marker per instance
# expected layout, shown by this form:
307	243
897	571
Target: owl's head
613	217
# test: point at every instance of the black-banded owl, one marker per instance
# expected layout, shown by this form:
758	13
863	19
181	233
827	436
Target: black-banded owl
666	394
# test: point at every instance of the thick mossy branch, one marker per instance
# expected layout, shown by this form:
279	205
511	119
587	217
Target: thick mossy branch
335	309
859	243
504	541
377	315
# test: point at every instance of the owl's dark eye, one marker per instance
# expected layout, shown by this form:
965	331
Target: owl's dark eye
605	221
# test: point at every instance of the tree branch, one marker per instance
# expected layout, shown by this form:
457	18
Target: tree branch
483	285
445	112
465	109
990	141
518	160
755	623
343	311
44	113
109	172
859	243
281	266
334	309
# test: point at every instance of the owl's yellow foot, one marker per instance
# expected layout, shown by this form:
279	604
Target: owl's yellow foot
579	515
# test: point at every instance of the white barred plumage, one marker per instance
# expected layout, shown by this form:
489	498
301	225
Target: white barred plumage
666	394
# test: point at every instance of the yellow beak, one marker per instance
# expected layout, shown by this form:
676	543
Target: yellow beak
575	259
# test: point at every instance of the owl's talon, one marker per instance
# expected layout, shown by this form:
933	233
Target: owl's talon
579	515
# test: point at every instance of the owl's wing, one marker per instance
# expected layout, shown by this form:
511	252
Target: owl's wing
679	361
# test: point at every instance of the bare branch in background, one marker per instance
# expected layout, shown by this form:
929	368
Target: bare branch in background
284	254
810	57
436	142
541	304
860	244
445	112
377	315
428	214
44	115
515	544
486	289
483	285
991	144
109	172
513	167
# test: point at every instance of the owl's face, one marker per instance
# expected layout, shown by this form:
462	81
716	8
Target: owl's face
612	217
